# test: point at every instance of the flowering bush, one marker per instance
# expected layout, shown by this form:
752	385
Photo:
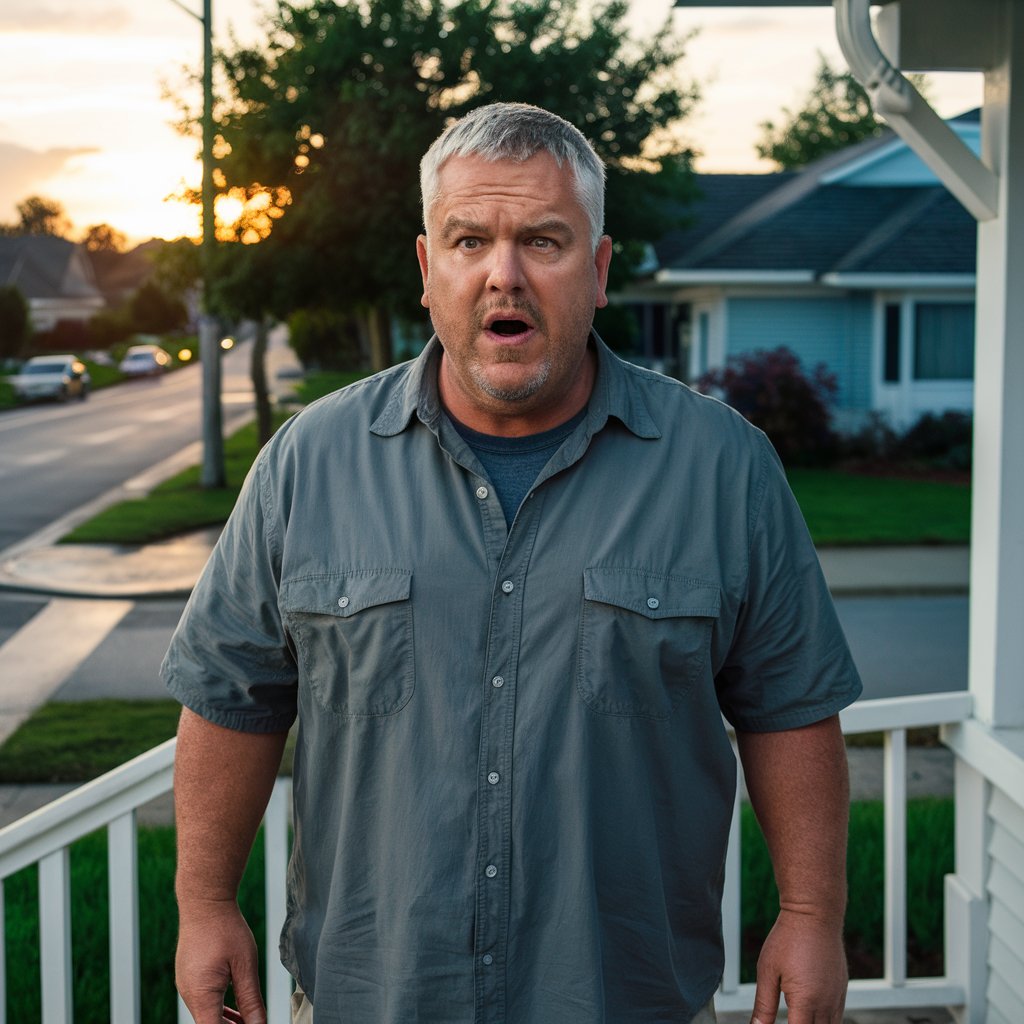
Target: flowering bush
772	390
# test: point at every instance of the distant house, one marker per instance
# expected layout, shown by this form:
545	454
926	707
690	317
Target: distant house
54	275
862	261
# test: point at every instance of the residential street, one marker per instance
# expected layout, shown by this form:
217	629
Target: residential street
54	458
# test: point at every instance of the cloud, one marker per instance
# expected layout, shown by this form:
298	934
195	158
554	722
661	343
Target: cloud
24	172
77	19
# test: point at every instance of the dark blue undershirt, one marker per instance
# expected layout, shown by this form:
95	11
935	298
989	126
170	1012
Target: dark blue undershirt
513	463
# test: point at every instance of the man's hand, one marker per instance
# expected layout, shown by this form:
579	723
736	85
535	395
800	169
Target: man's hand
215	948
804	958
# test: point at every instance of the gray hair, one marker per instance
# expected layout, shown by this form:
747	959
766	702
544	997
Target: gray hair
518	131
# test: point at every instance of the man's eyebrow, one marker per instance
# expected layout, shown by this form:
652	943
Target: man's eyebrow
550	226
457	225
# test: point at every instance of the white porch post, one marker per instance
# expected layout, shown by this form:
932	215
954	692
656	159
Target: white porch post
996	672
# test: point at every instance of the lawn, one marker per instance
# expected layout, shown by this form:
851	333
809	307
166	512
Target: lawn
850	509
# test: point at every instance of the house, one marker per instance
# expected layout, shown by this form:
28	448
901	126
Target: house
862	260
55	276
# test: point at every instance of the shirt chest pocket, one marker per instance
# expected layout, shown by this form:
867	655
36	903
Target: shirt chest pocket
353	635
644	640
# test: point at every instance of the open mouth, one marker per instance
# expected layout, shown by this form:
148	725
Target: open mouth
509	328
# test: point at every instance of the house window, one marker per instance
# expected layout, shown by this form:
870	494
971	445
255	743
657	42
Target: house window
943	341
891	354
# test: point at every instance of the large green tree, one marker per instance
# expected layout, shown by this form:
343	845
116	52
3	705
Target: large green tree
836	113
322	126
38	215
15	324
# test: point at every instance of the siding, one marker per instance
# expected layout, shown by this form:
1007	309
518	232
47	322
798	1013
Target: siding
1005	888
833	331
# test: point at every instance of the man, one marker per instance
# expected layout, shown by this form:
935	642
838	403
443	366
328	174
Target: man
509	589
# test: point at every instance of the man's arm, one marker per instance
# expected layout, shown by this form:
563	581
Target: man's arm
222	782
798	784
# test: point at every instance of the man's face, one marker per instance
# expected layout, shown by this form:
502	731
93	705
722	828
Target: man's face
511	281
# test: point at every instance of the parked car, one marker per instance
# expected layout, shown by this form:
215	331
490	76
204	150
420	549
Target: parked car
60	377
144	361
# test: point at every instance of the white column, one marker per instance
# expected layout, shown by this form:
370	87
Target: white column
996	671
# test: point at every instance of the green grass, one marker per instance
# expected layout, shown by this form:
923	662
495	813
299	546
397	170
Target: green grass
77	741
102	376
930	856
8	399
177	505
849	509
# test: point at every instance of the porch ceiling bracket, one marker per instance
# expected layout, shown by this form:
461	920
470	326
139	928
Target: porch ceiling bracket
909	114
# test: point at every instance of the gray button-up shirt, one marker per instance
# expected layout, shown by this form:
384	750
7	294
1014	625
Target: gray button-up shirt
513	783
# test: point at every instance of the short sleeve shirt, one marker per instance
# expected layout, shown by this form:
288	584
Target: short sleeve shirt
513	782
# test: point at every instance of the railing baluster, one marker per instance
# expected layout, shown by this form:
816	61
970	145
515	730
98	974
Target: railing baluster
275	838
3	956
55	937
732	901
123	899
895	787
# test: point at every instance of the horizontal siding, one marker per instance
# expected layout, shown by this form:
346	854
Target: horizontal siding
1005	886
1005	963
1008	814
1002	1000
834	331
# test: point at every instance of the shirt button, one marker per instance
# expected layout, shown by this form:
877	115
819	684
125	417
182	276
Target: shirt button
652	603
482	492
493	778
508	586
490	871
498	681
342	602
487	959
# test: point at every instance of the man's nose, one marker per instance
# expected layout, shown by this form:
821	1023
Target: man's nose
505	273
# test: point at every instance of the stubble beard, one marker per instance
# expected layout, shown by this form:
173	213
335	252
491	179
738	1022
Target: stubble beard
521	392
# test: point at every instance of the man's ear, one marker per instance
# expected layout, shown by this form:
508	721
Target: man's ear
602	260
421	255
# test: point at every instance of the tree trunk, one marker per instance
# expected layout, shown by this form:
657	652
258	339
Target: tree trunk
258	370
379	324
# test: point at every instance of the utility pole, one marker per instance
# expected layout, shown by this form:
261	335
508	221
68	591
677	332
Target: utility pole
212	470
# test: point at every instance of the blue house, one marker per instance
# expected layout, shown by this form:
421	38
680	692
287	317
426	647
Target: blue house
862	261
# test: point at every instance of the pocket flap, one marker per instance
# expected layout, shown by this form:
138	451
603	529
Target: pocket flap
346	593
654	595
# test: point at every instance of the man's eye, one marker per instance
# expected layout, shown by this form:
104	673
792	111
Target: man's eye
469	243
542	243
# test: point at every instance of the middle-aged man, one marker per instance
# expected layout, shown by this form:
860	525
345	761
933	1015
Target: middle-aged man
509	589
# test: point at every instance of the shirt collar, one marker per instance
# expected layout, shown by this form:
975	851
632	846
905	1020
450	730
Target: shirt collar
616	393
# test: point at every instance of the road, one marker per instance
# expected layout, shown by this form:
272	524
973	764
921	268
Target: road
54	458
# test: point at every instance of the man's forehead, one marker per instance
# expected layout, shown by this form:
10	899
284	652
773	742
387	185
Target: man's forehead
467	181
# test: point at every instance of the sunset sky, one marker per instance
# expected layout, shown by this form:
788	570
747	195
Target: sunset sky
83	118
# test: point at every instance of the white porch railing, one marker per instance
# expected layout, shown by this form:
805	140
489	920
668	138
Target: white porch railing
111	801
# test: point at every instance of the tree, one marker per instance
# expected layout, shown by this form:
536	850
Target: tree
322	129
104	238
15	326
837	113
38	215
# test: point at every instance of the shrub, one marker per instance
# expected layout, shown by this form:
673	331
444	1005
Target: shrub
326	340
771	389
942	441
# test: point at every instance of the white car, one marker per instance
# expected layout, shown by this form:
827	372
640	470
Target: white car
144	361
60	377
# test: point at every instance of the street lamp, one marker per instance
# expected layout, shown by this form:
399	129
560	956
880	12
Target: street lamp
212	471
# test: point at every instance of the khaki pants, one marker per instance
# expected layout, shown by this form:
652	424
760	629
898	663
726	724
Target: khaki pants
302	1010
